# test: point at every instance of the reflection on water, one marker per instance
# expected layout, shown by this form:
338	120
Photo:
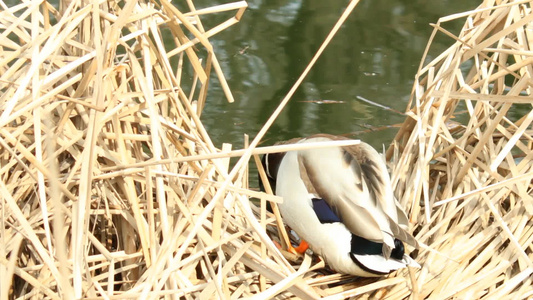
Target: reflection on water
375	55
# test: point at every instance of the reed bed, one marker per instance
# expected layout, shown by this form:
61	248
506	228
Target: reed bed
468	142
112	189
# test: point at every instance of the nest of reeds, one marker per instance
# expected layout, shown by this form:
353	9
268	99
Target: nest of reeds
112	189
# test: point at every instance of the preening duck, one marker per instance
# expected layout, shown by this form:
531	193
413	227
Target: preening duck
340	201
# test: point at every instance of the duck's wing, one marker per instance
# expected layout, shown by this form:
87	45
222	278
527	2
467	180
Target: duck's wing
403	220
374	172
327	175
336	175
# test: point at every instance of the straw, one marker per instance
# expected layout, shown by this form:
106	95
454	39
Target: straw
473	189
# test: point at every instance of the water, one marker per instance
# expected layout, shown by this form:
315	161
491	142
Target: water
375	55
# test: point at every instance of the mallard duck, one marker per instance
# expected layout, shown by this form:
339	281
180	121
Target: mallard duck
340	201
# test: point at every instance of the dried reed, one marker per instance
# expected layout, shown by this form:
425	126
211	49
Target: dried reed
112	189
469	133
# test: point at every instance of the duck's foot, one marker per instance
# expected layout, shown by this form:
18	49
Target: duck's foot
300	249
290	254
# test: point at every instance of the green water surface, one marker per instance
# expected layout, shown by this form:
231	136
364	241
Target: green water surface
375	55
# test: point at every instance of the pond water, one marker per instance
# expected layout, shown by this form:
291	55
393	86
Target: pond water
375	55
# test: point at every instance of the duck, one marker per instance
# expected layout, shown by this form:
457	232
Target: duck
340	202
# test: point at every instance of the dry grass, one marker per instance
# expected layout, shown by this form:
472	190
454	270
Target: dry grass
111	188
469	135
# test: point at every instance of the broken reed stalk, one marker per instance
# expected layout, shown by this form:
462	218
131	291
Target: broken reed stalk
111	187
